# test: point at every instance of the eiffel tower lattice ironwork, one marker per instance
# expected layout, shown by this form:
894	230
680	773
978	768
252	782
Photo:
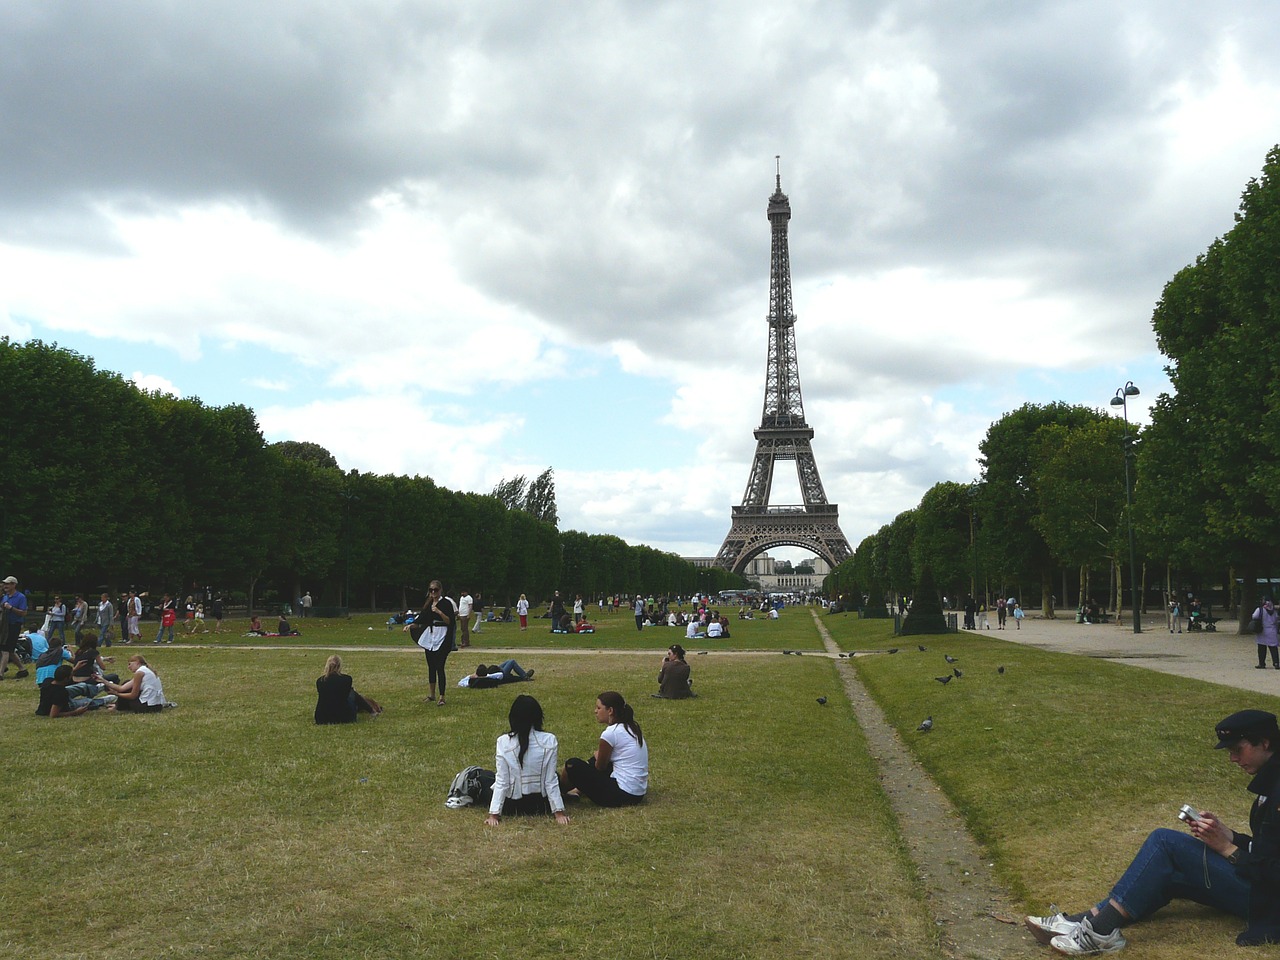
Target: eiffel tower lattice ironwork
783	435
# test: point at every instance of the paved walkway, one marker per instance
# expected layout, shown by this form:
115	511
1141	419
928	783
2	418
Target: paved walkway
1225	657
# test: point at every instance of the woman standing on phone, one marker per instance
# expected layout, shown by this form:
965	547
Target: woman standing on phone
433	631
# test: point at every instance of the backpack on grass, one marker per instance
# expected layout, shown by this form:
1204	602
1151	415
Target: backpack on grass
471	785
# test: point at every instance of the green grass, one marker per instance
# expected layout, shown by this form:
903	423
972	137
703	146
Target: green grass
234	827
1063	764
613	632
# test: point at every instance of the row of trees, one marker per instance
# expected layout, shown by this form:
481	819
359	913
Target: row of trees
1047	515
106	486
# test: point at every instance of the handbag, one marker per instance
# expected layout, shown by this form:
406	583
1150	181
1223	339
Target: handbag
417	629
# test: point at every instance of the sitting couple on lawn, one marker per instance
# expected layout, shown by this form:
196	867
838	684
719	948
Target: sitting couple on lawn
525	780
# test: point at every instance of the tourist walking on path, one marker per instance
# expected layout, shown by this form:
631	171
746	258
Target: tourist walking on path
106	617
1265	625
433	630
1175	616
168	617
1018	615
477	605
639	611
1002	611
133	609
79	616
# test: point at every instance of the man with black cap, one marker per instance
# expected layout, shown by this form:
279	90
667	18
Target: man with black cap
1235	872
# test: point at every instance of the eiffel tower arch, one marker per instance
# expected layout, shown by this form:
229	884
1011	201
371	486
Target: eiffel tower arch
783	435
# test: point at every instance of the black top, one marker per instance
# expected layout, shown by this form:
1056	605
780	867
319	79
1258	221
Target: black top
1259	861
53	694
333	700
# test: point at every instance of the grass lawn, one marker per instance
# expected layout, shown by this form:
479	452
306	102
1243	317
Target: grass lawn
234	827
613	632
1063	764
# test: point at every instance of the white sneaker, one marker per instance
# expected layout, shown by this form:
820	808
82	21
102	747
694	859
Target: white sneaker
1085	941
1045	929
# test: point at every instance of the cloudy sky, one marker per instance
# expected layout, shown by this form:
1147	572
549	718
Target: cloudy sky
537	233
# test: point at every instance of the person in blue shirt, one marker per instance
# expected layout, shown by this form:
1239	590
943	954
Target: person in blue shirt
13	613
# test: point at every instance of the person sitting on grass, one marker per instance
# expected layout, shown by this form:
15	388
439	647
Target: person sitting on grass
55	655
87	663
336	698
525	780
1235	872
56	698
673	677
585	626
141	693
617	775
495	675
255	627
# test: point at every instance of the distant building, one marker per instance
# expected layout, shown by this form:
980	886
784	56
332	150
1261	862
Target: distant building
763	571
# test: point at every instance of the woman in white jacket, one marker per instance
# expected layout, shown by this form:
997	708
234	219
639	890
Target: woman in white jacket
525	778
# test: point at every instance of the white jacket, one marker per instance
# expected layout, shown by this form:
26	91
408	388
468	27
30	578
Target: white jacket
537	774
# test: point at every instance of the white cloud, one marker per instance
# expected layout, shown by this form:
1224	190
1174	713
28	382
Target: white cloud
154	383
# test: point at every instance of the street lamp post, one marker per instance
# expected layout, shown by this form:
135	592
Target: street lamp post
1121	399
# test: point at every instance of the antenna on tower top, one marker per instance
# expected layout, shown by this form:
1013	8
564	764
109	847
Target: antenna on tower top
777	160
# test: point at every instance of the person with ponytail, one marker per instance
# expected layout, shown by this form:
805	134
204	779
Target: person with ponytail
617	775
525	779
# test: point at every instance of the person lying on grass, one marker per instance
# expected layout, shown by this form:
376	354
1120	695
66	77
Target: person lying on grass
617	775
1235	872
336	698
57	700
141	693
492	676
525	780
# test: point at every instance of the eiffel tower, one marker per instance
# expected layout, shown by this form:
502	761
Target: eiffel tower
783	435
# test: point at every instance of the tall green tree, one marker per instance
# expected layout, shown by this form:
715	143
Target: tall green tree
1011	548
1216	321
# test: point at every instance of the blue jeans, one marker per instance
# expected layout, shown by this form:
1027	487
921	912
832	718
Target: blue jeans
510	668
163	628
1174	865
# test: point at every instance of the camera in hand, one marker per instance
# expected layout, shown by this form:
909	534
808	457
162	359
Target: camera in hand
1187	814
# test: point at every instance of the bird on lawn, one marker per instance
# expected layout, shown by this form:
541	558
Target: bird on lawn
946	679
921	647
956	671
893	649
925	725
823	701
1000	669
949	658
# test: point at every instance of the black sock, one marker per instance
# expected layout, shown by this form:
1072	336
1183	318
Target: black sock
1108	919
1076	917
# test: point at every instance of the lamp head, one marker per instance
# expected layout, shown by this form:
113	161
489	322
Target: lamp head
1130	390
1117	400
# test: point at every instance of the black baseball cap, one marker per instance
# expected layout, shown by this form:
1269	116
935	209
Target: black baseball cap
1246	723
